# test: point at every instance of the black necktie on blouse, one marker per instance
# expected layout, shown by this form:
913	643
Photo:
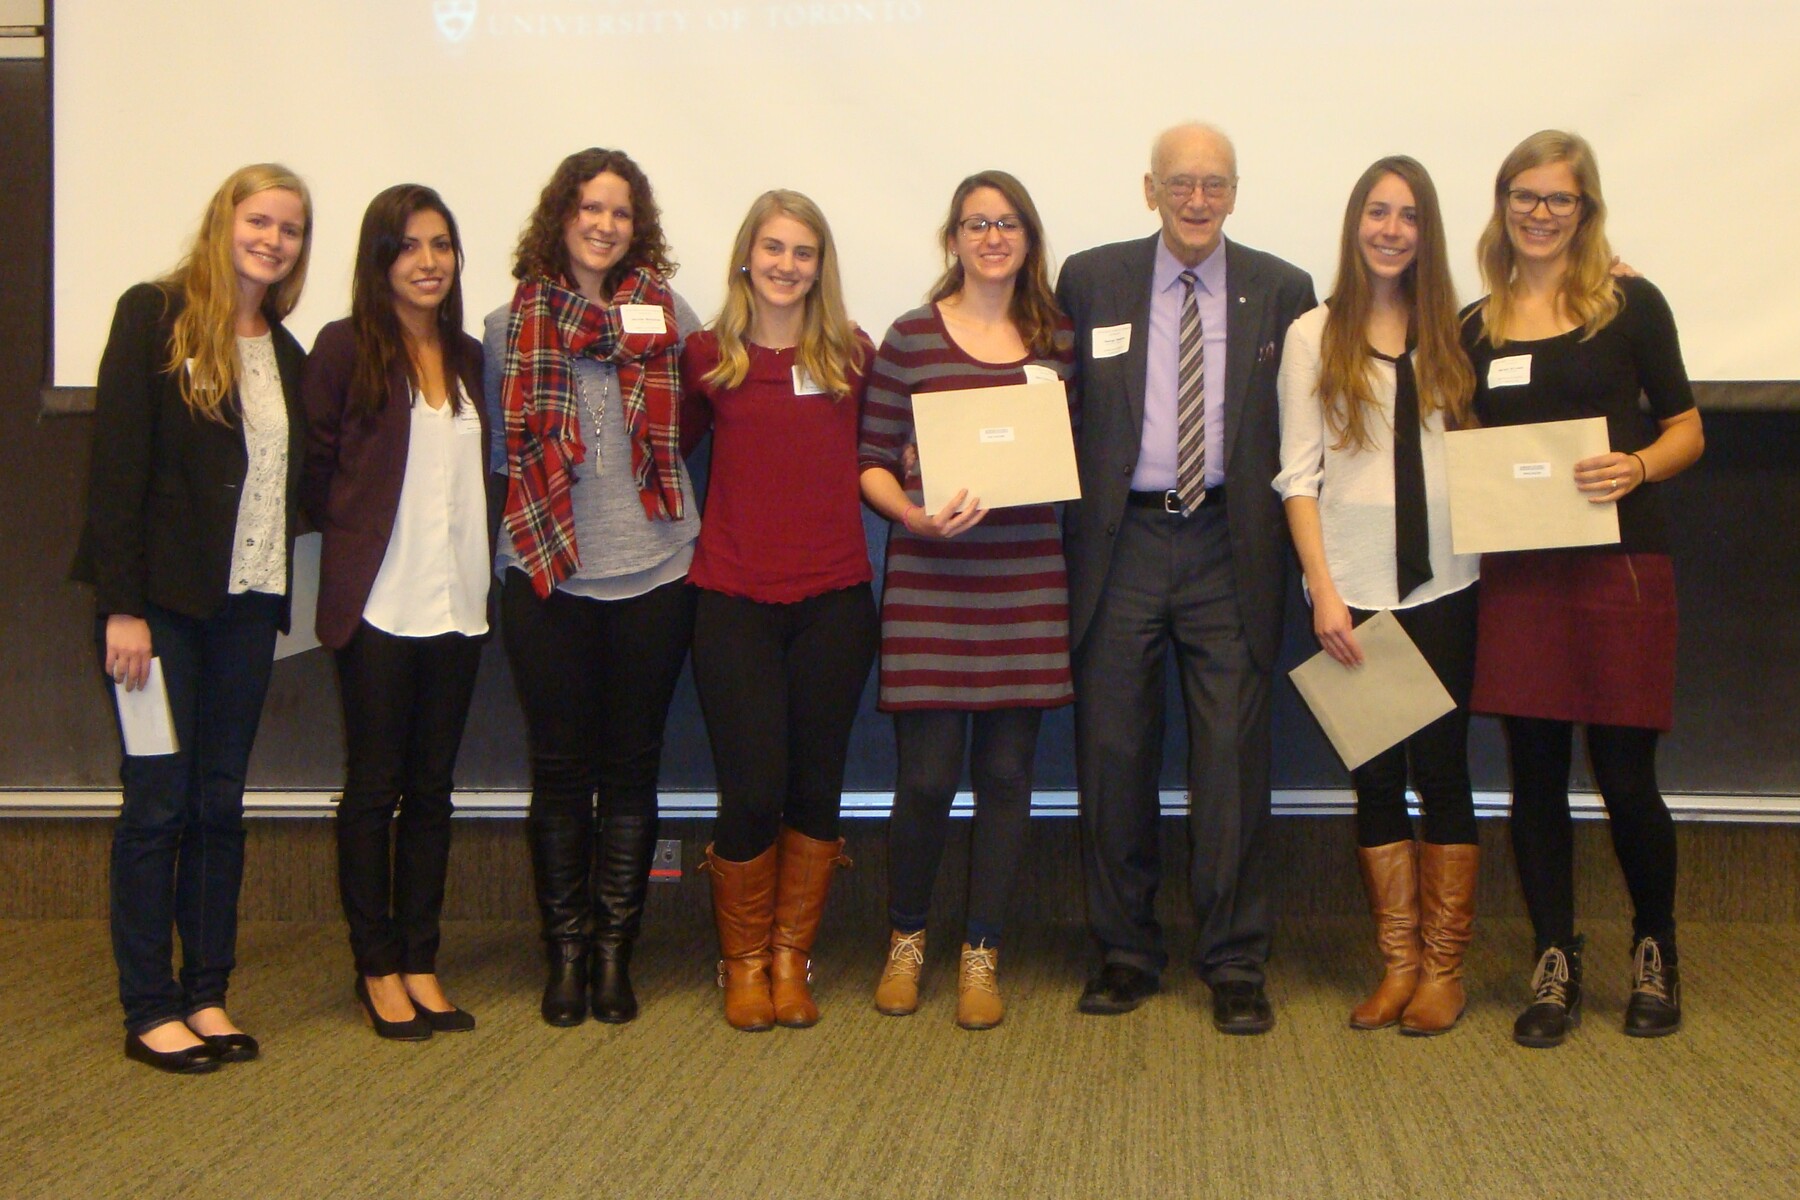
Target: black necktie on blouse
1412	533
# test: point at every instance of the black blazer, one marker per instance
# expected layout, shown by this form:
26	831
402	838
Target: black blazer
163	484
1110	285
350	487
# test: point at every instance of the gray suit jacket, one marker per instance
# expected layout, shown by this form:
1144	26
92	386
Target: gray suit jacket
1110	285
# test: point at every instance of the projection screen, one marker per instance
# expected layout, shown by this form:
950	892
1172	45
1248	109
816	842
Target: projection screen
876	108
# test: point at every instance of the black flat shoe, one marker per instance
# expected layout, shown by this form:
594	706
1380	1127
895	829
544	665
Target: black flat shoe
1241	1006
232	1047
448	1020
415	1030
194	1060
1118	988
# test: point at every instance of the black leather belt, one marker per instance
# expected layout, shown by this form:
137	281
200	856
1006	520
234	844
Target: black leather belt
1170	501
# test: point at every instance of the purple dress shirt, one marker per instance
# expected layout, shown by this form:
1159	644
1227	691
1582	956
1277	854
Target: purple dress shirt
1156	453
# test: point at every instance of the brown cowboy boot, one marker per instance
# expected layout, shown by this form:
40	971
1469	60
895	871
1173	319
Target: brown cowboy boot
743	907
1446	925
805	877
1390	877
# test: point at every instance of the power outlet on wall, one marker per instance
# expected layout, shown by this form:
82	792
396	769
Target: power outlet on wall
666	866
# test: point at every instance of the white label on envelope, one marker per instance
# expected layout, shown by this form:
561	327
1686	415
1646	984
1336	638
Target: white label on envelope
1112	341
642	318
1537	470
803	383
1513	371
1038	373
999	433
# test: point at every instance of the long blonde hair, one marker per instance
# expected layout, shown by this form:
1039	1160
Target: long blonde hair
828	349
205	333
1445	379
1588	293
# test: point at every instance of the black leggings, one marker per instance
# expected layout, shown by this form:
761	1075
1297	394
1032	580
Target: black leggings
1643	834
595	678
779	686
930	747
1444	631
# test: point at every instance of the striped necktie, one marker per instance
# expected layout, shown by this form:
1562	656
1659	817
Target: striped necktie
1190	402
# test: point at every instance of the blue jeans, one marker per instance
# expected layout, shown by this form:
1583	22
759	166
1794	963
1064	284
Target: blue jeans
178	849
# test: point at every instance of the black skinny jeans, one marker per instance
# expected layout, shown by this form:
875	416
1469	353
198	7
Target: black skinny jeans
1437	755
406	700
779	686
1543	838
1002	747
595	678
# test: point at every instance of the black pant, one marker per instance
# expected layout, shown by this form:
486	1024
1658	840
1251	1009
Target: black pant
930	747
779	685
1438	755
405	703
178	849
1643	834
595	678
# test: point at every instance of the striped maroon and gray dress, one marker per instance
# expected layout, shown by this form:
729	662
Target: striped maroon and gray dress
980	621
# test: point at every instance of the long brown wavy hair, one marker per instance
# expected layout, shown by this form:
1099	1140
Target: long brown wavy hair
380	340
543	253
1034	312
828	349
1588	292
203	351
1446	382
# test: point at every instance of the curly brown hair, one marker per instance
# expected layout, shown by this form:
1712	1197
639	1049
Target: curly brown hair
542	252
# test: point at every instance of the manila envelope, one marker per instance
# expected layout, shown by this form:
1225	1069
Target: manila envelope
1513	487
1008	445
1366	709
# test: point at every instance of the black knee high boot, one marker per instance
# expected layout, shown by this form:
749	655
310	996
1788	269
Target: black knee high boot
560	847
623	848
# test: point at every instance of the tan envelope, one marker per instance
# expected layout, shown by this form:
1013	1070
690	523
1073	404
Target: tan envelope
1366	709
1513	487
1008	445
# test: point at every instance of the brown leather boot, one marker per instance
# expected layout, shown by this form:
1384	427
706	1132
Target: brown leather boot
743	909
978	1003
1446	925
1390	877
897	994
805	877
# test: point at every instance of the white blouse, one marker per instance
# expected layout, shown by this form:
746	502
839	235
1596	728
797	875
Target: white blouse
434	577
1355	488
259	545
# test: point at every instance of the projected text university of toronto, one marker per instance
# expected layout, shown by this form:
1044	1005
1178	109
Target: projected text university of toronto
471	20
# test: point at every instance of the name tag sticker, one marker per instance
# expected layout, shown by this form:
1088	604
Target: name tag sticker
1514	371
1038	373
643	318
1000	433
468	421
1112	341
1537	470
804	385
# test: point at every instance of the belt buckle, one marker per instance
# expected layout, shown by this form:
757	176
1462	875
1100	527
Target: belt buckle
1172	503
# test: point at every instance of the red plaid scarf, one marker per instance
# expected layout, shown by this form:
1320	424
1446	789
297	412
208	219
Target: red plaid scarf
549	326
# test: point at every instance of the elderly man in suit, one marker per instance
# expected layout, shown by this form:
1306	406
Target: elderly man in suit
1178	542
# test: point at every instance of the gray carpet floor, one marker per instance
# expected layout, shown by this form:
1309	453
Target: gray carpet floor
1051	1104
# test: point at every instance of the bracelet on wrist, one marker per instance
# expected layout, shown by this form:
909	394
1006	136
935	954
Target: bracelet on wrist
1643	469
906	516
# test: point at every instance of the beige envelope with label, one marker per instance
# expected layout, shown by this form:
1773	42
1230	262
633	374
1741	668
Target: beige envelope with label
1008	445
1366	709
1512	487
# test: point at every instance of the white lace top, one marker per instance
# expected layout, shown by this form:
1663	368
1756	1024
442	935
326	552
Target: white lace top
259	549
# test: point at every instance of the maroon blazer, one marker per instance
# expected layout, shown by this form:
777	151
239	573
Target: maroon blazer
350	484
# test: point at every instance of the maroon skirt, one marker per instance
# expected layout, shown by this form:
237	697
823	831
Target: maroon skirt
1577	635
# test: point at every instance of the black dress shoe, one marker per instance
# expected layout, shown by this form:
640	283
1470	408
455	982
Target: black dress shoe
1654	1009
1241	1006
1118	988
232	1047
194	1060
446	1020
415	1030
